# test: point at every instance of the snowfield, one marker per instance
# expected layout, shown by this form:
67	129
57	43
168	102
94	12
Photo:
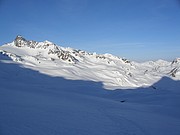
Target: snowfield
46	89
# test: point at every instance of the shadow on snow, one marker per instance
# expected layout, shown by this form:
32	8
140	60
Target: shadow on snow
35	103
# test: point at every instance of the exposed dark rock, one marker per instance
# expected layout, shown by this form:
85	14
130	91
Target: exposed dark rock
126	60
173	72
20	41
154	87
122	101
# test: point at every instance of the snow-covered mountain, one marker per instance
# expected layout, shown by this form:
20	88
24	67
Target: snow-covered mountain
46	89
114	72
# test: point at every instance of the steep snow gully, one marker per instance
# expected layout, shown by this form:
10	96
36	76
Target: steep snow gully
36	99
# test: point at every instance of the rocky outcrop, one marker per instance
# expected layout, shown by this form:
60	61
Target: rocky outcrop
50	47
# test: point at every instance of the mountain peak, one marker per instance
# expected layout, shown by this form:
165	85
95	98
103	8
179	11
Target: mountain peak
176	61
20	41
48	42
20	38
48	48
113	71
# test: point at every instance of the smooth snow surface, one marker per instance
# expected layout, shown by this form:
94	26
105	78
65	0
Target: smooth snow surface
43	94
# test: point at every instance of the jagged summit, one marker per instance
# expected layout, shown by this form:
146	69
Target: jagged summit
176	61
47	46
20	41
112	71
66	54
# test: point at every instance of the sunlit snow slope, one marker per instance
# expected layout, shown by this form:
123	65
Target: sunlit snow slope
112	71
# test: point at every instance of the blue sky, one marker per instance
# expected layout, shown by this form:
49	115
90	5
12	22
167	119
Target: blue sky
135	29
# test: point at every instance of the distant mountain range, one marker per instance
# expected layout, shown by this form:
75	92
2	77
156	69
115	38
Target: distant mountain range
114	72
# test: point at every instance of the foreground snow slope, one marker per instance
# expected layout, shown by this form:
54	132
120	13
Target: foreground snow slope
112	71
32	103
38	100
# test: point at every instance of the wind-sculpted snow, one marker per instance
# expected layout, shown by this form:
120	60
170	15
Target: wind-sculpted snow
33	103
114	72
